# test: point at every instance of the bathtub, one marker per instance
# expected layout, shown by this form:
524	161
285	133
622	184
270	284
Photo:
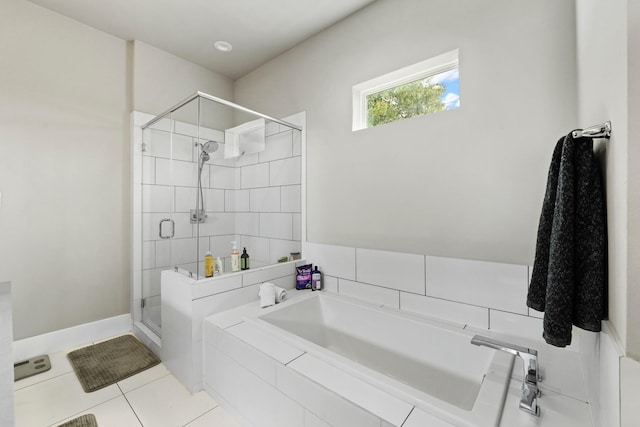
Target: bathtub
428	364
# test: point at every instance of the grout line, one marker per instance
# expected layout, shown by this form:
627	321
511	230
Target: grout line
295	358
408	415
131	406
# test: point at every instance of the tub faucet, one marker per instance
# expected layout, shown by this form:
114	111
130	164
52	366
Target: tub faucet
531	376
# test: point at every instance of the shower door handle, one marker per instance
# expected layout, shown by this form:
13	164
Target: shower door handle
173	228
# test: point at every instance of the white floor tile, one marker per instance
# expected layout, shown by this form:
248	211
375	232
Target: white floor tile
217	417
59	365
143	378
165	402
56	399
115	412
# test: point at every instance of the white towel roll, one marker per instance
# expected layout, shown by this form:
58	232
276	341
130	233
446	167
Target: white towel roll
281	294
267	295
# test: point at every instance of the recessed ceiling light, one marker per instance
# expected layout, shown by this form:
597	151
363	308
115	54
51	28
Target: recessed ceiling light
223	46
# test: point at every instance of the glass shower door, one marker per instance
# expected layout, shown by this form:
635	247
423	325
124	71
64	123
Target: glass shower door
169	189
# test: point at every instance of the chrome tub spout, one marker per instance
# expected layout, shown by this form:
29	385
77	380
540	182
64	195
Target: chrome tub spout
531	374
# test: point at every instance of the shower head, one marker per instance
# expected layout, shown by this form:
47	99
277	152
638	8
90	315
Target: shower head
206	148
210	147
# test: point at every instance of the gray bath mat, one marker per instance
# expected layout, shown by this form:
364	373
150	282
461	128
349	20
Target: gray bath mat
108	362
88	420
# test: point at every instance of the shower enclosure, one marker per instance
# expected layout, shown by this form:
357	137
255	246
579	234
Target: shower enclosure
211	172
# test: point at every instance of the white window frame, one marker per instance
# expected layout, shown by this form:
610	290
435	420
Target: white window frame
429	67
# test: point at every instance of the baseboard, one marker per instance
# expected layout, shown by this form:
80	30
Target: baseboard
68	338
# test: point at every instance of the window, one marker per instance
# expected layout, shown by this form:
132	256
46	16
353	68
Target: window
423	88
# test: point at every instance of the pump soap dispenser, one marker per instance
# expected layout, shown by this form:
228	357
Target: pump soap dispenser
235	257
244	260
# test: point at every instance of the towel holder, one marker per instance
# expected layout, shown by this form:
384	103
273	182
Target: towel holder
603	130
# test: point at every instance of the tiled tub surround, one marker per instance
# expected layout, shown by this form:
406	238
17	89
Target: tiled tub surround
254	199
271	377
186	302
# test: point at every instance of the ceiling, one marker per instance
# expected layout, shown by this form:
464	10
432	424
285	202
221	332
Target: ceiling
258	30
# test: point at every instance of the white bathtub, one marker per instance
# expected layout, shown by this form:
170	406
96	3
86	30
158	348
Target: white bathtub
430	365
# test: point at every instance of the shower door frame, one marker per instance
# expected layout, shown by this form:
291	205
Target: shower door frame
141	121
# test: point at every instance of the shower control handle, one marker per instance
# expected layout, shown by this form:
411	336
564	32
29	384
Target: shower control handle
173	228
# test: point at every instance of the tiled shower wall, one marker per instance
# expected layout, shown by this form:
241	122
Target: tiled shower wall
254	200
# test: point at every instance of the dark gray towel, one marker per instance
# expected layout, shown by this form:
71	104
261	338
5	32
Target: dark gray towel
569	275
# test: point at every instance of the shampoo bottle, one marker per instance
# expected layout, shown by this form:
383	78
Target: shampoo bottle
235	258
244	260
316	279
208	265
219	265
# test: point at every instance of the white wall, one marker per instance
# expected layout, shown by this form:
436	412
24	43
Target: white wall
64	172
633	165
599	101
66	91
608	62
466	183
161	80
6	356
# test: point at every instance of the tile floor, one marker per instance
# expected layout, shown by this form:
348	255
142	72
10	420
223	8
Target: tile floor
152	398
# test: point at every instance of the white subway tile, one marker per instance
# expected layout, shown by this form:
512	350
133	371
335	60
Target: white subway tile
148	170
297	143
148	255
245	354
257	401
515	324
291	198
419	418
183	148
277	147
182	225
395	270
487	284
311	420
156	198
163	171
217	223
163	253
329	283
267	274
246	160
178	172
276	225
285	172
279	248
220	246
337	261
247	223
164	144
257	248
151	226
214	200
536	313
184	251
337	411
158	144
224	177
265	199
236	200
271	128
264	342
185	199
361	393
297	226
369	293
216	285
254	176
447	310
